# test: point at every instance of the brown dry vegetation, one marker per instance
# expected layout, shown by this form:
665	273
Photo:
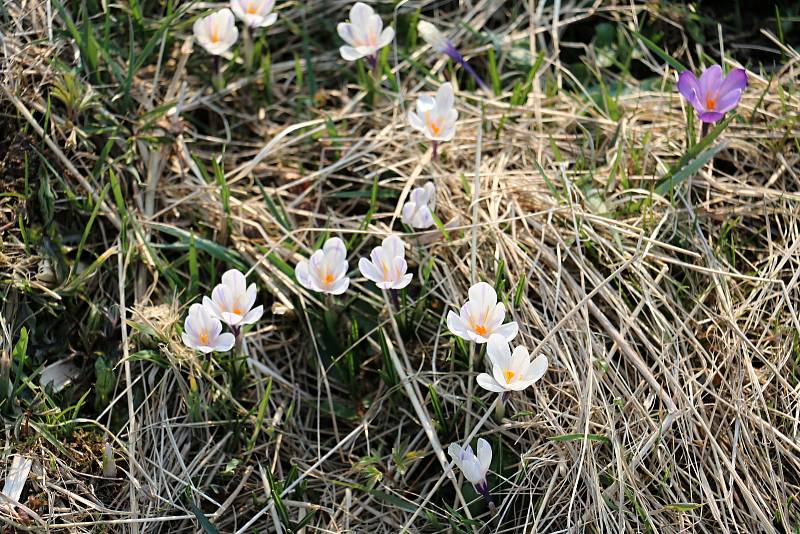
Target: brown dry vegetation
670	321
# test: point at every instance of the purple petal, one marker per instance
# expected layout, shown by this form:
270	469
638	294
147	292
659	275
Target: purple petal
689	88
736	80
728	101
710	81
711	116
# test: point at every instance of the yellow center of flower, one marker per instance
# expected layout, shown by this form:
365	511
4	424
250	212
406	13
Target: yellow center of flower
204	337
251	8
432	125
711	103
480	330
214	35
236	310
509	375
327	279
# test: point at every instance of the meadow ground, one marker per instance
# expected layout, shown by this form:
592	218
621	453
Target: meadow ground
659	273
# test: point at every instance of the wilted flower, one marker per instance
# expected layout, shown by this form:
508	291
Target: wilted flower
417	212
435	117
364	34
326	270
474	467
202	332
510	371
255	13
388	266
712	95
232	300
443	45
481	316
217	32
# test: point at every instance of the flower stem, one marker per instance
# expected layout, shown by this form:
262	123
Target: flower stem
458	58
247	41
435	145
217	80
500	407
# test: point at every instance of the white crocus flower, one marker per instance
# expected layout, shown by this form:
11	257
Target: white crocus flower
326	270
435	117
216	32
202	332
474	467
388	266
439	42
431	35
417	212
255	13
510	371
364	34
481	316
232	301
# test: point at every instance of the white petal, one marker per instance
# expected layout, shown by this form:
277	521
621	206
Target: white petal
403	281
508	331
369	271
415	121
408	212
537	368
456	325
235	280
498	351
302	274
339	287
393	246
484	451
430	190
386	37
444	98
269	20
224	342
253	315
483	295
487	382
335	244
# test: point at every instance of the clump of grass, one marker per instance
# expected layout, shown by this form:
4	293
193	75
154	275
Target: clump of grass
663	288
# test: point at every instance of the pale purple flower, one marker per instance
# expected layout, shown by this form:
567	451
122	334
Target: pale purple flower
364	34
439	42
388	266
474	466
713	95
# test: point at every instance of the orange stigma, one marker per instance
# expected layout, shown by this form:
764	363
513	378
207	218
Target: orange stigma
204	337
214	36
251	8
711	103
480	330
328	279
509	376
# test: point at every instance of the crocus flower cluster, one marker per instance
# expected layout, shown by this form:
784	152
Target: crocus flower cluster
217	32
231	303
713	95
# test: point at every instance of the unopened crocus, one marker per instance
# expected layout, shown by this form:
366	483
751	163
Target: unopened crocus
326	270
387	265
510	371
439	42
255	13
203	332
474	466
232	301
364	34
713	95
435	116
481	316
217	32
109	465
418	211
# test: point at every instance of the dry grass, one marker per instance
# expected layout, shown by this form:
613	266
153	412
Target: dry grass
670	322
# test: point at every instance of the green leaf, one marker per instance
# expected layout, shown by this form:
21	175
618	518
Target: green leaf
580	437
676	179
205	524
674	63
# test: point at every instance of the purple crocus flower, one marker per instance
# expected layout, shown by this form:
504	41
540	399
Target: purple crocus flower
713	95
442	44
